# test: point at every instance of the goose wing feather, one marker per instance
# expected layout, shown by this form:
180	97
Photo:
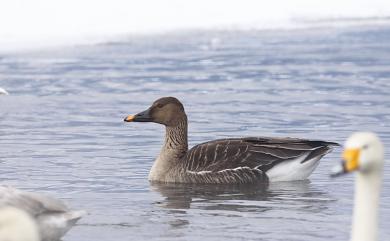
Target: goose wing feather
261	153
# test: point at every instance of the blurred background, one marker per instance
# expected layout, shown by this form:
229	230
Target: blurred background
74	69
42	23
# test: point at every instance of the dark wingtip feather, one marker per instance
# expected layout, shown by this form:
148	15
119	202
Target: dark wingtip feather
316	143
329	143
321	151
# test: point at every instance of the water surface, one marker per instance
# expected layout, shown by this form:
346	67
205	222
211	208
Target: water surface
62	130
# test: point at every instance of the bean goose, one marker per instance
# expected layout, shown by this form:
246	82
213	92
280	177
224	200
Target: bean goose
226	161
52	216
364	154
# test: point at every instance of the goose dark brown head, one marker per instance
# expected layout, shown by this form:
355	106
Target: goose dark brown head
168	111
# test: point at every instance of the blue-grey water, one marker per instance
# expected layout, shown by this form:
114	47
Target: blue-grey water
62	129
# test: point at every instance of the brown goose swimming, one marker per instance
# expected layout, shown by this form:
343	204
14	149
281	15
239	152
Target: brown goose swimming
226	161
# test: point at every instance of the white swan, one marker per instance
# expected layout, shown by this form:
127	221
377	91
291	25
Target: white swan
53	217
364	154
3	91
17	225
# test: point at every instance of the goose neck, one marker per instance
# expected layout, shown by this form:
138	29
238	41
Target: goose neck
176	138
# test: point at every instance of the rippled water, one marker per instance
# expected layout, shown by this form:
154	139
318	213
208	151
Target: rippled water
61	129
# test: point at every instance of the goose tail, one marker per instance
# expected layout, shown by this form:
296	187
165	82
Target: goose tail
301	167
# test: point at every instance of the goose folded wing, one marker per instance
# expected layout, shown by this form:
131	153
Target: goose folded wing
259	153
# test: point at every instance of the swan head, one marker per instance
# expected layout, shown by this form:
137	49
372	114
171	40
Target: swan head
17	225
168	111
363	152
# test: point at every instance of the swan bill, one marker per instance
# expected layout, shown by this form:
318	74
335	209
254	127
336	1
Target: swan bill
351	159
349	164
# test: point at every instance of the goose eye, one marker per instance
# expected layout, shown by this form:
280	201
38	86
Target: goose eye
365	147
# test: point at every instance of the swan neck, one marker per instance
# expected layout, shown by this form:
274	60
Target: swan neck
366	203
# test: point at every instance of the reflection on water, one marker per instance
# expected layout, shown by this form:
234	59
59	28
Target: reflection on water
181	196
283	202
241	198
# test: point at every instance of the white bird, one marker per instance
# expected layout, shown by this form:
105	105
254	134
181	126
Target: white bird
364	154
17	225
3	91
53	217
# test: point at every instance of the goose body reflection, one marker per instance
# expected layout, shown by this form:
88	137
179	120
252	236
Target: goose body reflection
255	197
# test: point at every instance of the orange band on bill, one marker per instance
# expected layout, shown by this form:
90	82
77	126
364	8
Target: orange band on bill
130	118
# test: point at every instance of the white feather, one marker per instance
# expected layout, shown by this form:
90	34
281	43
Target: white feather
52	216
3	92
293	170
17	225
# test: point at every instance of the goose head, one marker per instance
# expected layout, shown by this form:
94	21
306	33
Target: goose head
167	111
363	152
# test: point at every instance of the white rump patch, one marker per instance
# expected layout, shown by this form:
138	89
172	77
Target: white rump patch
293	170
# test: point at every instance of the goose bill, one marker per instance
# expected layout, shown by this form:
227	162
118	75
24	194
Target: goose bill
129	118
143	116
